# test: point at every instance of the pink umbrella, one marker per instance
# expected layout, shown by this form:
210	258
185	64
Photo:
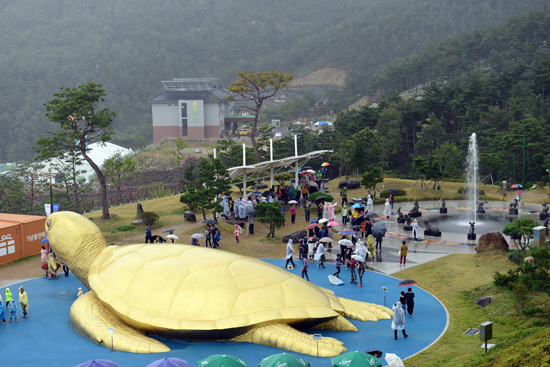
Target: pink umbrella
332	224
311	226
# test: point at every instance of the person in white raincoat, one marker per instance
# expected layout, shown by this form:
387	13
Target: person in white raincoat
387	208
226	208
398	321
331	215
326	207
369	204
361	250
320	255
415	230
289	252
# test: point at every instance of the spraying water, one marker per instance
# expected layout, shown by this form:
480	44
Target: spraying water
471	176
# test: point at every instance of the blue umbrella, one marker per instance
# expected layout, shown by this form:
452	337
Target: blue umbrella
99	363
169	362
314	220
354	206
45	240
257	193
346	232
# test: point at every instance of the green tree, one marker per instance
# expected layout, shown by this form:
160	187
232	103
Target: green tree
119	169
270	215
191	198
522	228
257	87
212	183
282	178
175	152
431	138
81	122
34	184
372	177
12	194
388	131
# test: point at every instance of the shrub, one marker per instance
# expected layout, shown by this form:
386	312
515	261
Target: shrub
465	190
506	280
385	194
531	311
401	192
516	257
315	195
124	228
150	218
539	323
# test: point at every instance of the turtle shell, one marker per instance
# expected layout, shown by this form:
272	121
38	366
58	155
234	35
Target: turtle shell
198	293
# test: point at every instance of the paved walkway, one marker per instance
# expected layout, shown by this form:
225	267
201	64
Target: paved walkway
48	336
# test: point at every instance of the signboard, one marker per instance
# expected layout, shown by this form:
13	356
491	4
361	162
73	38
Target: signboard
111	330
47	208
317	337
195	112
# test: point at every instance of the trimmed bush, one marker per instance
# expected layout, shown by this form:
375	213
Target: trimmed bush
150	218
516	257
401	192
125	228
385	194
465	190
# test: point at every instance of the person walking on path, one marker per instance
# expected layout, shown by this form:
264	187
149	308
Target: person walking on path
44	256
9	297
289	252
283	212
292	213
307	209
415	230
338	265
208	235
398	321
368	227
410	301
364	229
13	310
392	200
251	224
238	230
370	247
148	236
320	211
323	233
344	195
387	209
310	250
216	237
369	204
403	253
320	255
305	268
403	300
2	312
352	264
344	214
23	301
360	271
379	243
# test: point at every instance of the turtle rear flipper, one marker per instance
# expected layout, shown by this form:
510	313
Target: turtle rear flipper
91	319
286	337
364	311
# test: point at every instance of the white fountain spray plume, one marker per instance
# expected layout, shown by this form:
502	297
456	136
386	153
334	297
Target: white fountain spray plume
471	176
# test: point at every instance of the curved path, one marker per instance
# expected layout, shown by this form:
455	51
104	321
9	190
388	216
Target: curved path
48	336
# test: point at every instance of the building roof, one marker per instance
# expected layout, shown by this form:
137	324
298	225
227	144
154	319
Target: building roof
189	95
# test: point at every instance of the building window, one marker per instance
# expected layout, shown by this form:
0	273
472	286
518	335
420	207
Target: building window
184	119
169	105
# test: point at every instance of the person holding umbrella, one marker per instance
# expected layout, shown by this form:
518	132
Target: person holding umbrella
208	235
292	213
403	253
238	230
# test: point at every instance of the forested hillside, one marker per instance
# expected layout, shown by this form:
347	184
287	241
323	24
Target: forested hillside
130	46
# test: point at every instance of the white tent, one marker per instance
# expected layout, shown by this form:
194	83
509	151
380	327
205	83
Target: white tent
99	153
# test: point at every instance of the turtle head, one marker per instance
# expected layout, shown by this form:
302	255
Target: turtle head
75	240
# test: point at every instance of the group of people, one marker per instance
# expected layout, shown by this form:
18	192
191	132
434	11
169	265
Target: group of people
11	306
50	265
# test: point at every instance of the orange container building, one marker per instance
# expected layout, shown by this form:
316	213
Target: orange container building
20	236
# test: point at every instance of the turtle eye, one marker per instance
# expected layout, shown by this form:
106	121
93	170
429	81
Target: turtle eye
49	223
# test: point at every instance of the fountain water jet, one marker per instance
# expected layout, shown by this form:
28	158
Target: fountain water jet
472	165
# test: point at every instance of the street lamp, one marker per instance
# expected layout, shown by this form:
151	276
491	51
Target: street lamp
51	192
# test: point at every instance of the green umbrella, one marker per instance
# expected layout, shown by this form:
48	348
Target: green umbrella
283	359
223	360
355	359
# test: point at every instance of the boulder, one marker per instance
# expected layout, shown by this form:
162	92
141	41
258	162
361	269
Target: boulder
491	241
530	260
343	184
139	211
189	216
295	236
484	302
353	184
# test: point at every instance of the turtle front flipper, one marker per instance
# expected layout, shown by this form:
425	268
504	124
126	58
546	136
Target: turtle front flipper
91	319
364	311
286	337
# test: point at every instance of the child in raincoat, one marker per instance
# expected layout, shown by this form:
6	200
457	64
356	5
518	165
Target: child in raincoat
9	297
44	255
23	302
13	310
370	246
52	267
238	230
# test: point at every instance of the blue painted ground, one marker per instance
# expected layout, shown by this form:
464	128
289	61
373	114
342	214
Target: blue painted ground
47	338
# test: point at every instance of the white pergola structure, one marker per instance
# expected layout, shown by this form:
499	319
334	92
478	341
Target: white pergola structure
288	164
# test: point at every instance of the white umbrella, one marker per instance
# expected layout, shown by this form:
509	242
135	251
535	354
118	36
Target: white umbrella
293	202
324	220
345	242
361	259
393	360
197	236
325	239
172	237
311	171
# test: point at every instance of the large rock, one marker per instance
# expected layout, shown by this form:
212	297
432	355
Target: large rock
342	184
484	302
295	236
352	184
189	216
491	241
139	211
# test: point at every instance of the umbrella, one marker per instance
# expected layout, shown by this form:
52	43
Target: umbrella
393	360
169	230
325	164
355	359
210	221
259	186
357	205
303	172
169	362
311	171
516	186
196	236
313	239
308	167
407	283
371	215
345	242
283	359
173	237
312	183
318	199
293	202
392	191
379	229
326	240
314	220
45	240
321	123
222	360
374	352
356	227
257	193
358	200
333	223
346	231
98	363
359	258
323	220
312	225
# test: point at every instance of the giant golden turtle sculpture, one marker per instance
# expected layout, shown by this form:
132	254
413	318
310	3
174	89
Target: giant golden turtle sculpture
194	293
